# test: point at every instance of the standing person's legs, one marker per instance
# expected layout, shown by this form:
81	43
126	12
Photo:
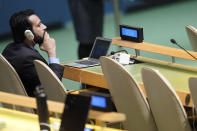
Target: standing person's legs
87	18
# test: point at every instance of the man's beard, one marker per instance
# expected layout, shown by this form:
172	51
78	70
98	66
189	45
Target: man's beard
38	39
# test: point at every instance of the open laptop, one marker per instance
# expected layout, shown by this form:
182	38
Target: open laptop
100	48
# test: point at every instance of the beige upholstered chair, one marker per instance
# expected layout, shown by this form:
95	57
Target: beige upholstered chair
53	87
166	107
11	83
192	36
127	96
193	90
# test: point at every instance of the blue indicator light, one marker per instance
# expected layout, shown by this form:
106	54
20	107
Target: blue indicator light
98	101
87	129
129	32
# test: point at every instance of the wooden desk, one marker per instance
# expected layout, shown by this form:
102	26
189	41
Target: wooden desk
20	121
154	48
58	107
176	74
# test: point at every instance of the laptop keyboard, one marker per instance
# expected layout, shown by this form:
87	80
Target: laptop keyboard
87	62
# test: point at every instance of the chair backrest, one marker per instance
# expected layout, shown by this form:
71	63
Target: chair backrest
10	82
193	90
166	107
53	87
127	96
192	36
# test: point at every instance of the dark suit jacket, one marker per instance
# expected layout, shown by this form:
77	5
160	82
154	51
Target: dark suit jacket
21	57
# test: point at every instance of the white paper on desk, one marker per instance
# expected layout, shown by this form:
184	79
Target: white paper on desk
124	58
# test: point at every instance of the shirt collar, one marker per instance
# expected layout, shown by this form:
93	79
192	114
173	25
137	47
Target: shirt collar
32	47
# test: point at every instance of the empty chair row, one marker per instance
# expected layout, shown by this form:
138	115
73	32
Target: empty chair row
162	110
152	116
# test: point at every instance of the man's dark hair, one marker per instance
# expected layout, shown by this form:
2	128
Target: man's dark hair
19	22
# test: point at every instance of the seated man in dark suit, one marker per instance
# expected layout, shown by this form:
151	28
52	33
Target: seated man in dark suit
27	30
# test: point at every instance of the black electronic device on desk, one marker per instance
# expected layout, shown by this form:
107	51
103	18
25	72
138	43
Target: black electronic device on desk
131	33
100	101
77	106
75	112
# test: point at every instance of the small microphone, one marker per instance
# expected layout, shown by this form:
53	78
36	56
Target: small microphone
173	41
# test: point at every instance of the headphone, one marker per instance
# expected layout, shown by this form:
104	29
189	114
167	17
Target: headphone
29	35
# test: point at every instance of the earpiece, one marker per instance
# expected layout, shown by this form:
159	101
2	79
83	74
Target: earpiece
29	35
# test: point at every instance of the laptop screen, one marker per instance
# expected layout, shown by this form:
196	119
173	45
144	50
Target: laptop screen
100	48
